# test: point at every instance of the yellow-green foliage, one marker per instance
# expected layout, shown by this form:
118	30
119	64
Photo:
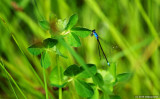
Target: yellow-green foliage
130	30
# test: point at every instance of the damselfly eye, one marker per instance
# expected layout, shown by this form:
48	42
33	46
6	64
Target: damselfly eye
93	31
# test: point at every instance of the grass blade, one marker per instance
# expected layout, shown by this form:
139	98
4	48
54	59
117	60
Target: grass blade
13	81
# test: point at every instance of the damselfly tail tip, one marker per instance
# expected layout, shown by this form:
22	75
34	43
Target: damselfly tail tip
108	63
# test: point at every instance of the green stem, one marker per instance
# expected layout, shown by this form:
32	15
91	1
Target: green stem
60	93
13	81
59	75
45	83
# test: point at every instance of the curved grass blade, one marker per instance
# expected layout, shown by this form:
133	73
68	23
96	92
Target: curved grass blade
9	81
13	81
30	66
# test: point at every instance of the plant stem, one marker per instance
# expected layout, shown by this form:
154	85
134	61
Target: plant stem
45	83
60	93
59	75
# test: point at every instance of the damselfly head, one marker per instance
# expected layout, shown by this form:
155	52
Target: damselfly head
92	32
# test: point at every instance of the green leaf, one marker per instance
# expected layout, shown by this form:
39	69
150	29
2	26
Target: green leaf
96	94
72	70
72	21
73	40
55	79
108	82
83	89
115	97
45	60
60	54
97	78
84	74
112	70
36	49
44	24
82	32
123	77
49	42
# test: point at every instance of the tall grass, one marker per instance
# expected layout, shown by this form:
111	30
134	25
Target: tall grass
132	24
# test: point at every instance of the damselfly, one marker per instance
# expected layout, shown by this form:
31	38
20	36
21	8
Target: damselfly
99	45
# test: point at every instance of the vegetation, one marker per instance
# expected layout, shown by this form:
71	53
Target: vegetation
46	50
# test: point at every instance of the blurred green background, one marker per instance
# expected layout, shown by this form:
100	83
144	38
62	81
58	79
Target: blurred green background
130	30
